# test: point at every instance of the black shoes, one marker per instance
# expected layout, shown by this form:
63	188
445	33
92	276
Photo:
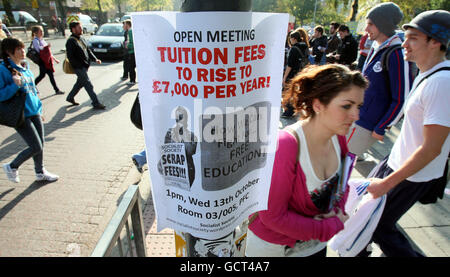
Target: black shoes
72	101
59	92
99	106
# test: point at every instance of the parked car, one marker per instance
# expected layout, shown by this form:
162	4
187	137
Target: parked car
108	41
29	20
89	25
125	17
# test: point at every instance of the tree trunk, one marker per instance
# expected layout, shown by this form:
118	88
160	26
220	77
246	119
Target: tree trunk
7	7
216	5
119	8
100	12
354	10
211	5
62	10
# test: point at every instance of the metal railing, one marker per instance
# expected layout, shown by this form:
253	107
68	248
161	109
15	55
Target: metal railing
18	28
129	206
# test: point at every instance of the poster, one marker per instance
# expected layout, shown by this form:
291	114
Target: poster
210	88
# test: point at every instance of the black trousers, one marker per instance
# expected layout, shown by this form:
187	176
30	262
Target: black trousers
126	65
132	67
42	71
399	200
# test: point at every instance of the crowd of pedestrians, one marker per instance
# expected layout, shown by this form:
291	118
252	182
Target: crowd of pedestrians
345	104
15	75
416	169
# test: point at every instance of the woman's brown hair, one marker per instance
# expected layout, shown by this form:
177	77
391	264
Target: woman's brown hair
9	46
35	29
320	82
303	35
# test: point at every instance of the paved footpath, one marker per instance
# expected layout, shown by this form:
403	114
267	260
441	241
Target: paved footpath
426	226
90	150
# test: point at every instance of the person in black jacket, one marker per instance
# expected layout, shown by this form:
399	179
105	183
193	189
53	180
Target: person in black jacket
318	44
80	57
297	59
298	54
348	51
126	58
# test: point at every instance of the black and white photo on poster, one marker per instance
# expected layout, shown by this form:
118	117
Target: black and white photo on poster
176	164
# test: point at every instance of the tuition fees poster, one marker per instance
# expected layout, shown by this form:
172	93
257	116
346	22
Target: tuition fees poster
210	87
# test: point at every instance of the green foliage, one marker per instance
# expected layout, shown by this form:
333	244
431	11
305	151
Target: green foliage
327	10
96	5
150	5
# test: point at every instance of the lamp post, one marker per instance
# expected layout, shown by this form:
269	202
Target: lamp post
201	6
314	18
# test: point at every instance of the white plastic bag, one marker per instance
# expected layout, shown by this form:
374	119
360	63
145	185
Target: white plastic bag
365	213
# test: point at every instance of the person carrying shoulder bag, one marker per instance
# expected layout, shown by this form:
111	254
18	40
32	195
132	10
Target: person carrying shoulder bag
46	58
80	57
32	130
305	206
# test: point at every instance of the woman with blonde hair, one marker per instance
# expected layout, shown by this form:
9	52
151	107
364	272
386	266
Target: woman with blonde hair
303	211
46	58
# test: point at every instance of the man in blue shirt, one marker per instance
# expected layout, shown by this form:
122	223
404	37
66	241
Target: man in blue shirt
384	99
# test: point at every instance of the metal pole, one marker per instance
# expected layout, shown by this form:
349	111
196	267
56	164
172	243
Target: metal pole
314	18
216	5
193	243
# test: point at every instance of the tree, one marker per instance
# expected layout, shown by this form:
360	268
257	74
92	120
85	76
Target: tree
151	5
118	4
354	10
8	11
265	5
62	10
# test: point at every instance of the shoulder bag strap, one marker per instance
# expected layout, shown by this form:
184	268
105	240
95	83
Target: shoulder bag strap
426	77
293	131
437	70
81	43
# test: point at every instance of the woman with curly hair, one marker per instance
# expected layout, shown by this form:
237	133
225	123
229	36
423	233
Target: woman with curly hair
302	214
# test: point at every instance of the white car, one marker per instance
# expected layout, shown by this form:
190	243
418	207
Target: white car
89	25
28	19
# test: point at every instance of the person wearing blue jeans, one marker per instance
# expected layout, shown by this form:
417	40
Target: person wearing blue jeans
15	75
139	160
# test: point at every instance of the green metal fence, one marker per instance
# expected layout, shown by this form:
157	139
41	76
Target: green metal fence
133	241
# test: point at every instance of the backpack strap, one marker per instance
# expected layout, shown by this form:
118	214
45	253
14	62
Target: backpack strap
293	131
386	54
426	77
303	57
